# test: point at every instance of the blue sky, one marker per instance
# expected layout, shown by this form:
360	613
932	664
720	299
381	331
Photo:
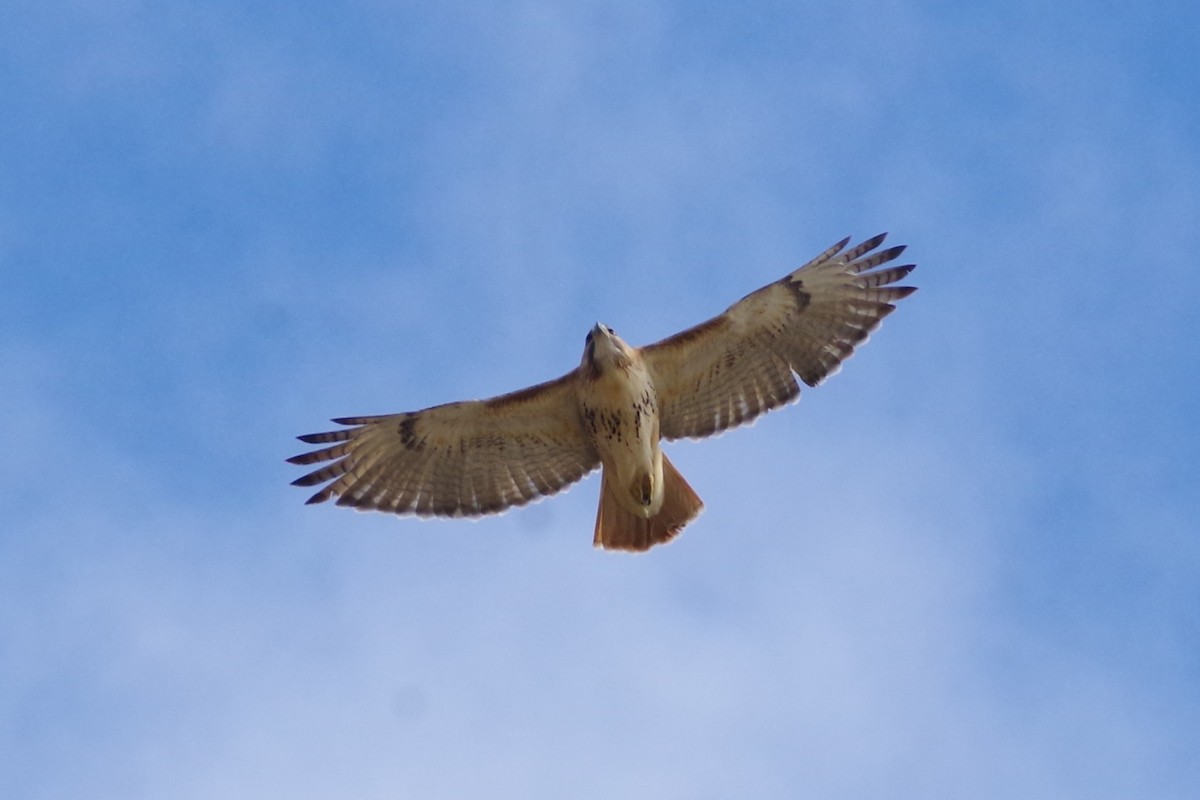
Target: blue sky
966	566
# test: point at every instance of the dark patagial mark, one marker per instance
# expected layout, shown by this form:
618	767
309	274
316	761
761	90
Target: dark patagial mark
803	298
408	437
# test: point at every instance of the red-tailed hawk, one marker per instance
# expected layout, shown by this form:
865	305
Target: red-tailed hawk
483	456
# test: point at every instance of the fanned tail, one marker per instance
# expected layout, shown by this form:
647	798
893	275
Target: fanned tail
618	529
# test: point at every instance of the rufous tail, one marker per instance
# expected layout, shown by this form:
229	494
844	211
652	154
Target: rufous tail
618	529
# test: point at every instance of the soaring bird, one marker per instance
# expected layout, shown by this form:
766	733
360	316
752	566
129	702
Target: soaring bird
481	457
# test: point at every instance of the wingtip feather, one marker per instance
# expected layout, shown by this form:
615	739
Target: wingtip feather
312	438
874	241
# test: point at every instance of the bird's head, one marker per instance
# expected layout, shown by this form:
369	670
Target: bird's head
603	350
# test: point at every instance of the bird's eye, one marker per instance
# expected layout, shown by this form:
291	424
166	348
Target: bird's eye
610	330
588	340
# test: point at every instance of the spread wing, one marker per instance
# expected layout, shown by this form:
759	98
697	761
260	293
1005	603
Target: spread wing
460	459
738	365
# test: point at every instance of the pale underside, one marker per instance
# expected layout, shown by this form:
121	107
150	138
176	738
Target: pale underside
481	457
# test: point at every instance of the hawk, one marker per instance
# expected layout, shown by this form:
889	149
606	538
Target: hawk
481	457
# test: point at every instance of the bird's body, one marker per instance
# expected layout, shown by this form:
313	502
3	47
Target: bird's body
480	457
619	407
643	499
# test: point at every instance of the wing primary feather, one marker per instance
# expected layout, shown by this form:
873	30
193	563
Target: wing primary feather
875	259
883	277
865	247
889	293
321	475
324	438
830	253
325	454
321	496
354	487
